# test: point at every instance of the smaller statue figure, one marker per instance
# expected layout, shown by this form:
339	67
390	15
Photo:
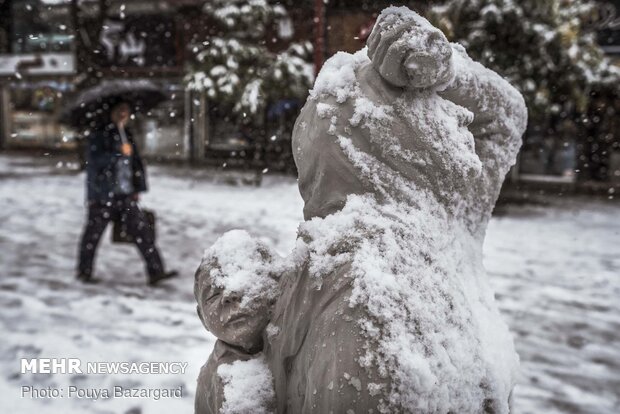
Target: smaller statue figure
236	379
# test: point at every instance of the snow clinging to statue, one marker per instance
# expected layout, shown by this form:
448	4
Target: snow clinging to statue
384	305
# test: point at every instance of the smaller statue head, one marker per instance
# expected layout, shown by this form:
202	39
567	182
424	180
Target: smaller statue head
236	293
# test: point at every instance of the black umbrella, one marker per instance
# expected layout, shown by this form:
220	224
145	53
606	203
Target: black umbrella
93	104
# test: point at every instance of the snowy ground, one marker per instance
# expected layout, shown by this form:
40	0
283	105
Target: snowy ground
556	270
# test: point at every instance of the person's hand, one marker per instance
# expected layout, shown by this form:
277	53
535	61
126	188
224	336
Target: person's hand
126	149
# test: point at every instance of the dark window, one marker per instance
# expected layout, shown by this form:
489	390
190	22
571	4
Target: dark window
40	26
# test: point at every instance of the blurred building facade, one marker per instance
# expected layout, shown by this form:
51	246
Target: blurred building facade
51	49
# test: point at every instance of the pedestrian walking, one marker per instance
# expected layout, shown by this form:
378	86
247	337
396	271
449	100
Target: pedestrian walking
115	177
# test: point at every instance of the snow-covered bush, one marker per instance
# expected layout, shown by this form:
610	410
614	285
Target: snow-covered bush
236	69
545	48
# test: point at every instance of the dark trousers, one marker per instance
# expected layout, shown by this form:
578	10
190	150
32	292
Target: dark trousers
125	210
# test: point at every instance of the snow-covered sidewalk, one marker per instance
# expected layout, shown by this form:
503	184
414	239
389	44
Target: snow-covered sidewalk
556	270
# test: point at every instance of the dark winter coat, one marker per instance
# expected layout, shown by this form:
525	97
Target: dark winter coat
103	151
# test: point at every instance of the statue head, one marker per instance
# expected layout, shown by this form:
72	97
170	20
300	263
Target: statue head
236	293
222	313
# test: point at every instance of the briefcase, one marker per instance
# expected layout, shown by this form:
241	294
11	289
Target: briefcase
119	231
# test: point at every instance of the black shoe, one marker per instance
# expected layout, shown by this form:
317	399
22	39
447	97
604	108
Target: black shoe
162	276
88	279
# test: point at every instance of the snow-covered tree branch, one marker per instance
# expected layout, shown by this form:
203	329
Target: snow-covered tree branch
237	69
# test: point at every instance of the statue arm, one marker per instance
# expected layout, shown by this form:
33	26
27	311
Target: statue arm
500	118
209	388
500	114
409	52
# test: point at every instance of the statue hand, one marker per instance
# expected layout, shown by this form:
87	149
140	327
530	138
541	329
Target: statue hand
408	51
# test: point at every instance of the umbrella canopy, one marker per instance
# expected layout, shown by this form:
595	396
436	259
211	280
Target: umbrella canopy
94	104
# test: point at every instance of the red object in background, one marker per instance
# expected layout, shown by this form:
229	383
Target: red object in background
319	35
366	28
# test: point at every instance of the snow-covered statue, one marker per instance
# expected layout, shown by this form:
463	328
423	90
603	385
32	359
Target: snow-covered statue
385	307
401	150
